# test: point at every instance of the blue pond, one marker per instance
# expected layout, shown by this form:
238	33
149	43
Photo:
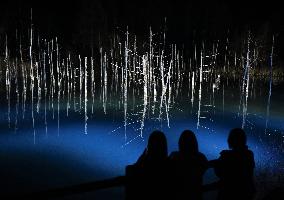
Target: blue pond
56	159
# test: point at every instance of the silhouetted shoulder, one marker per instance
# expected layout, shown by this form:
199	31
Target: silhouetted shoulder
225	152
202	156
245	152
235	169
244	155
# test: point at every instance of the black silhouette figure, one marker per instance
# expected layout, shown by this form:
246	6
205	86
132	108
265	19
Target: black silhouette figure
188	166
235	169
147	178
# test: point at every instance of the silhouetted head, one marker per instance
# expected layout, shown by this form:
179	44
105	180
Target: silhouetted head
157	145
188	142
237	139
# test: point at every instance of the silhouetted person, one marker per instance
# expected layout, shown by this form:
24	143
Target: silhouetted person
188	166
147	178
235	169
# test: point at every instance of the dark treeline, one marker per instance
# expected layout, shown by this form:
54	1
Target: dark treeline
82	26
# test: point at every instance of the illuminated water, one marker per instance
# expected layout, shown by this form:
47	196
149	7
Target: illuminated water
74	157
70	119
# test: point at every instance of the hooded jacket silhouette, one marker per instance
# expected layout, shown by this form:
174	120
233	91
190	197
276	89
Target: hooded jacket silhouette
235	169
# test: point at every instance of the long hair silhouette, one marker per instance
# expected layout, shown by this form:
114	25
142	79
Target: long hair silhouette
147	178
188	166
157	145
188	143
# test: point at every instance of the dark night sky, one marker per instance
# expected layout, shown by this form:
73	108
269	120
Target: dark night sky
77	20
